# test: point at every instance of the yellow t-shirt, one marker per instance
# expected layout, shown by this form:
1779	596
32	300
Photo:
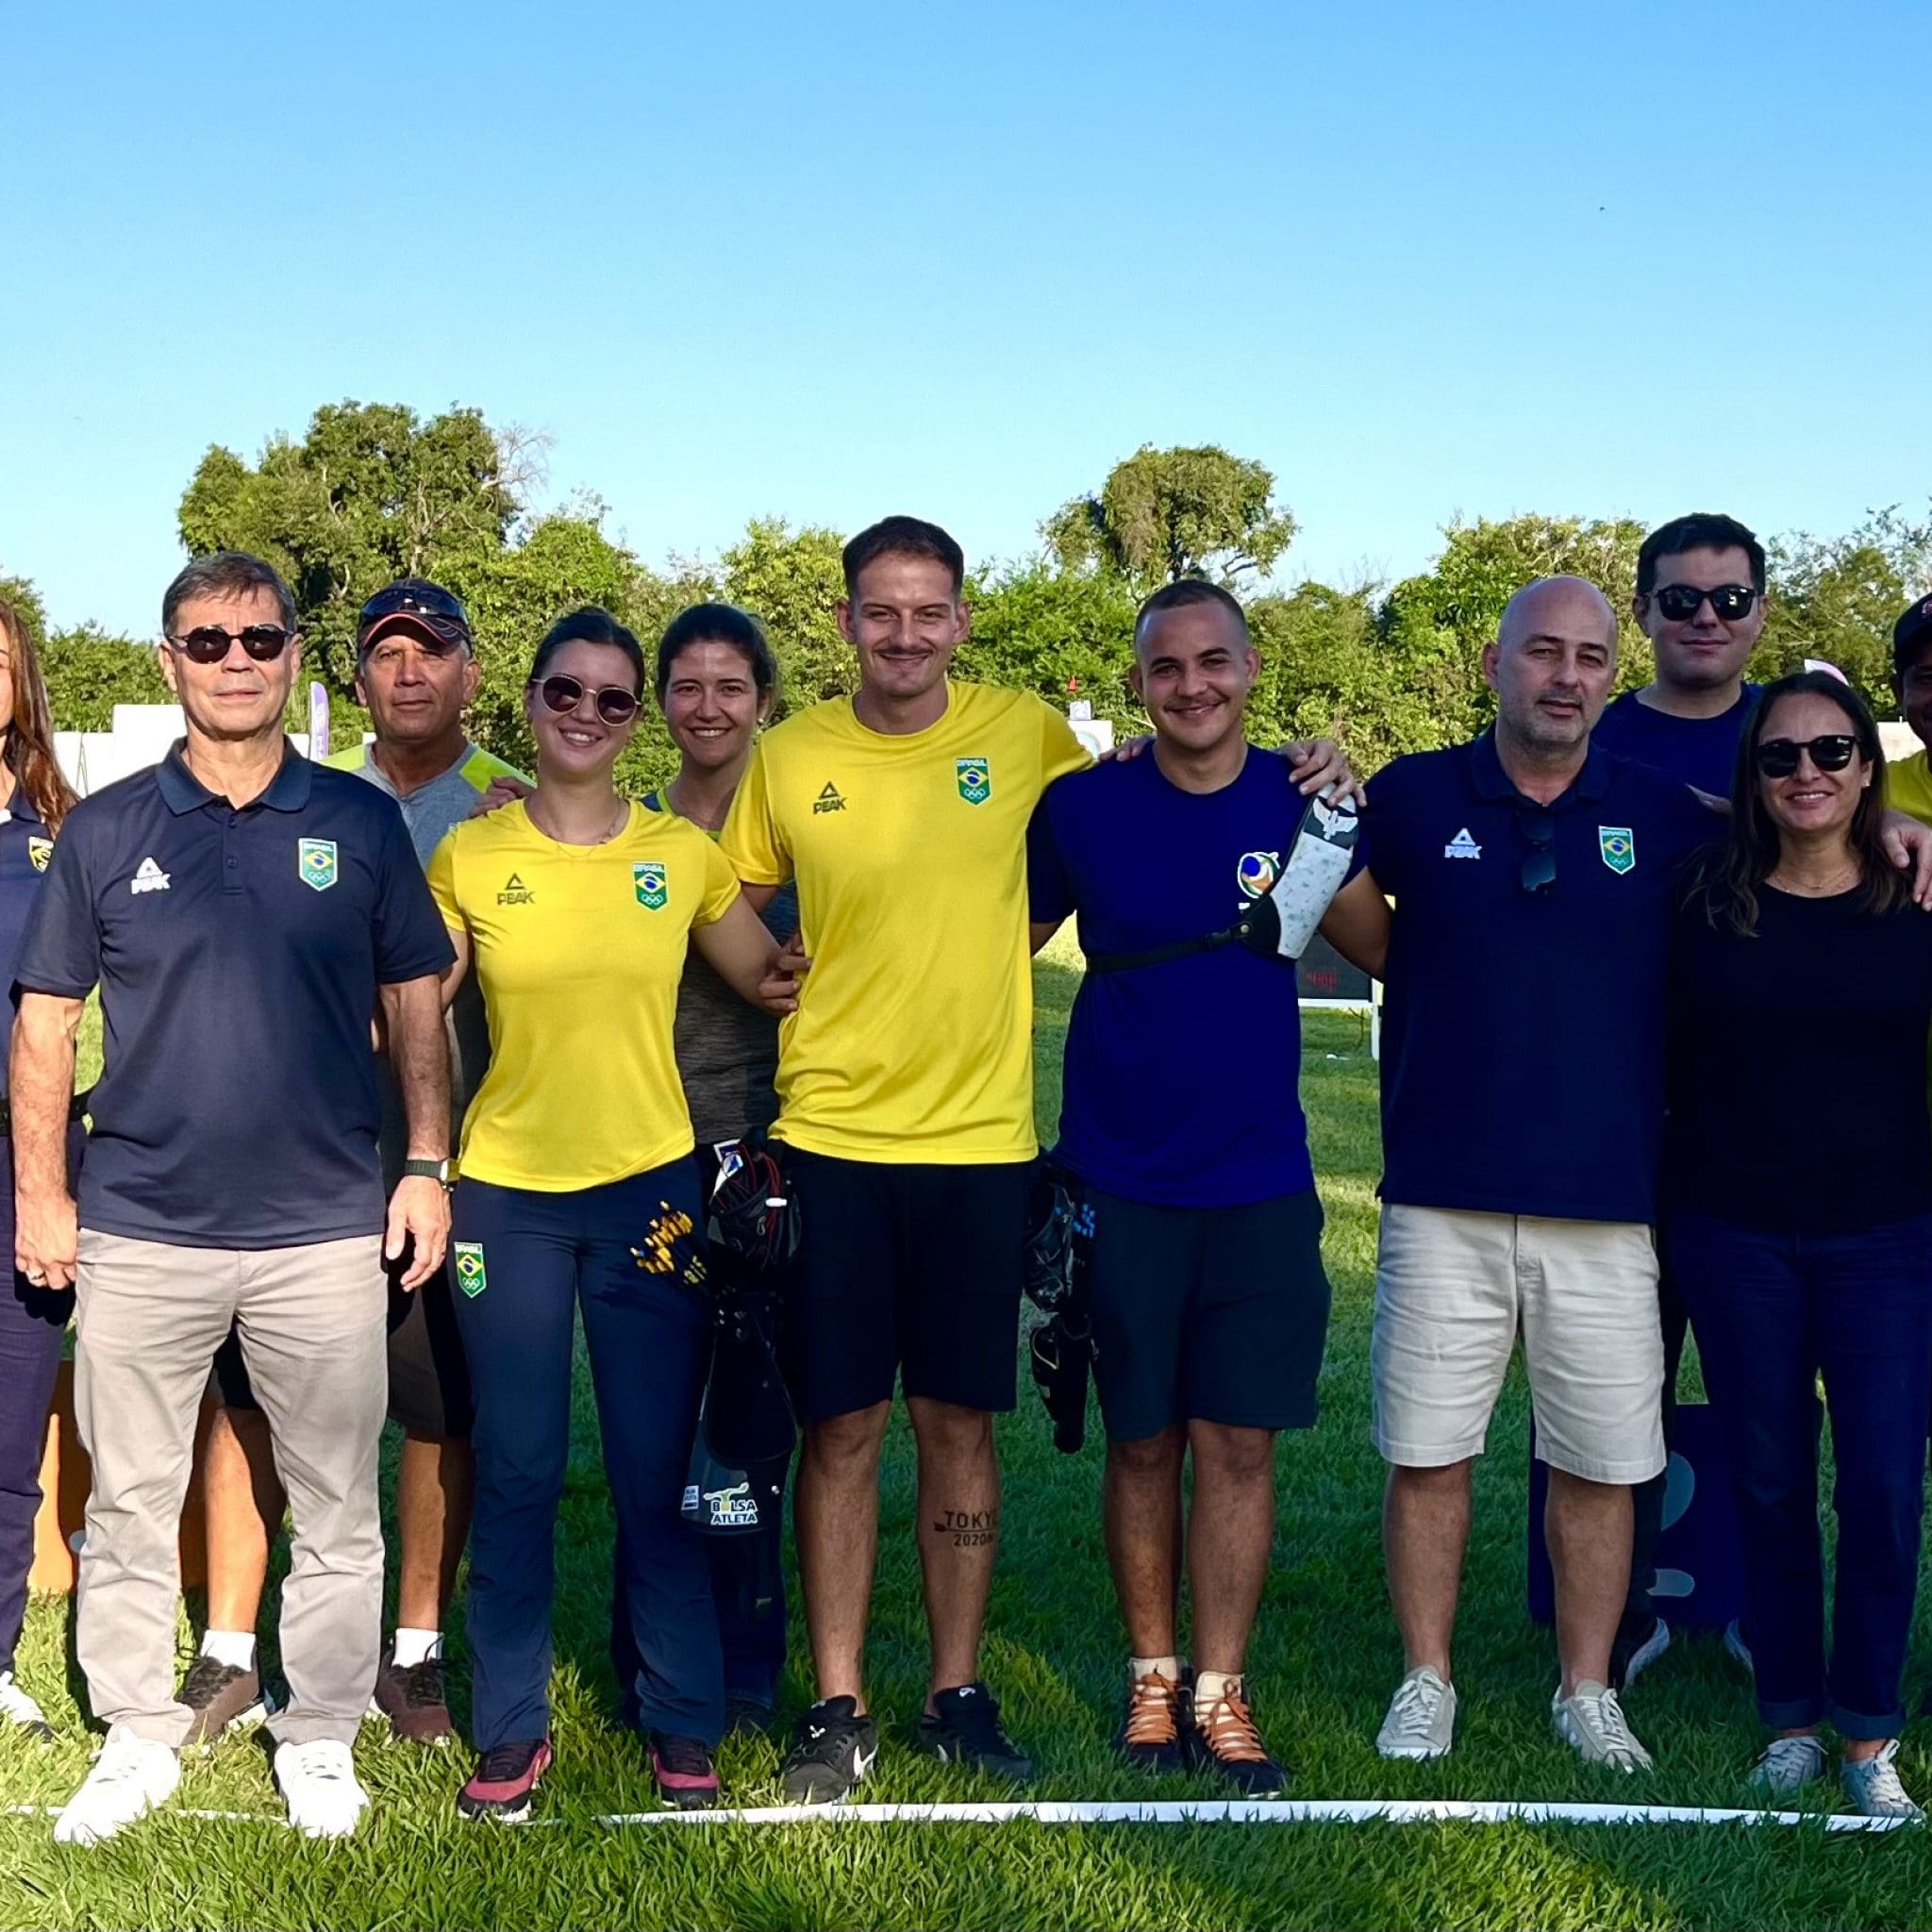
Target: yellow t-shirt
579	950
913	1039
1908	787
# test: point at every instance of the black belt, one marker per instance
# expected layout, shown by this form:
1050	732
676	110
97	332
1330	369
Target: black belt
76	1111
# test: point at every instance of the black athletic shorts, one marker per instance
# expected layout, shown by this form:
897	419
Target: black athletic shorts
428	1374
905	1272
1205	1314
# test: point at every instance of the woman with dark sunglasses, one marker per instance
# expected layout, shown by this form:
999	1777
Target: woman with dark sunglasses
1799	1183
574	908
34	799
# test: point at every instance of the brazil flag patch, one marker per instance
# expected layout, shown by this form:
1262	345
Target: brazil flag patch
975	779
315	858
473	1276
1618	845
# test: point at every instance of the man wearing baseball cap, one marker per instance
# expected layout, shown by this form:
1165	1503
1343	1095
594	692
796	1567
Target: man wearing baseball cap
1909	781
416	672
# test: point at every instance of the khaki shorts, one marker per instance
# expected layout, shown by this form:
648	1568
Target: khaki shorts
1452	1288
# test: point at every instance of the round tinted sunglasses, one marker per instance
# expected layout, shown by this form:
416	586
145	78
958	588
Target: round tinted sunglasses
562	694
1681	602
1778	758
209	643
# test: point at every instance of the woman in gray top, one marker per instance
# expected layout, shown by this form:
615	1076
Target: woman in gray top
717	680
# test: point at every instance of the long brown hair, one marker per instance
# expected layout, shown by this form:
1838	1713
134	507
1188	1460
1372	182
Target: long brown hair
1727	877
28	752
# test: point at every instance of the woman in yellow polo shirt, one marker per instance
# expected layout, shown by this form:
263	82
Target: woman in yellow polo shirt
574	908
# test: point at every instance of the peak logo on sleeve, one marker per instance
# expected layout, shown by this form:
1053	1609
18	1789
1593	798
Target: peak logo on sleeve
149	878
1462	846
515	893
828	800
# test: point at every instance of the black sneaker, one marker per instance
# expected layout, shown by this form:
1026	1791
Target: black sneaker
682	1771
1153	1727
1225	1741
414	1699
504	1784
831	1750
222	1698
965	1729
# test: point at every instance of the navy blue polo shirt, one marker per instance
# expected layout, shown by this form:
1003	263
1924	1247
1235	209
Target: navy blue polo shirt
1700	751
26	852
1180	1084
1523	1039
237	954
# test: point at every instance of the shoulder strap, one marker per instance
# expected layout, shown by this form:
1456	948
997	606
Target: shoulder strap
1259	926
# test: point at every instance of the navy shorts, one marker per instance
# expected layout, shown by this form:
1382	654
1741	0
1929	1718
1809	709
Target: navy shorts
905	1274
428	1374
1204	1314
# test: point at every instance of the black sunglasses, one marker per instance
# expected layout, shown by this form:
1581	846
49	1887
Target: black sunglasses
1778	758
1540	861
209	643
561	692
1679	602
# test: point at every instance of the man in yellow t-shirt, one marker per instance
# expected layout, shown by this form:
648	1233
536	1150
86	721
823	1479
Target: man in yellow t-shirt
906	1107
1909	781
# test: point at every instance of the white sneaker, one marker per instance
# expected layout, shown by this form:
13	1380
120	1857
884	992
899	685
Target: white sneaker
1592	1722
1422	1717
1788	1765
130	1777
1873	1787
18	1709
317	1781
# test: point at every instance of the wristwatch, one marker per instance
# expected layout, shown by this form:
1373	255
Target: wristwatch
429	1170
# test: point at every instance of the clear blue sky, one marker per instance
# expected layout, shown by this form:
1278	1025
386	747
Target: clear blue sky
834	260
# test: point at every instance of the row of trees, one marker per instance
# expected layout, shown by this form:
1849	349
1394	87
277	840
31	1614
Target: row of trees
373	492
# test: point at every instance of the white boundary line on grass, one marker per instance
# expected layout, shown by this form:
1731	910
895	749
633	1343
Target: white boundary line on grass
1206	1811
1256	1812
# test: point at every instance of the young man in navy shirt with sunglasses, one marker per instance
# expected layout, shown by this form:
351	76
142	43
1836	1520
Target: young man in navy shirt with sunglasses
1701	601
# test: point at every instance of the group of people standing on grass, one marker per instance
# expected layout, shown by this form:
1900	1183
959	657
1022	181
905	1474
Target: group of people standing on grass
1641	974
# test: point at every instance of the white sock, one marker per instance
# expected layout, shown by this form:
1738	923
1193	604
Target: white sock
235	1648
1169	1667
416	1646
1211	1686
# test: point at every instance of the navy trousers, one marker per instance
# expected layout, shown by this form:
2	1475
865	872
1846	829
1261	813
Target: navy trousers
32	1321
628	1254
1771	1312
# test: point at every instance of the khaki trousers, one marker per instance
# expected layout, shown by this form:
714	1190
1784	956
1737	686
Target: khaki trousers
311	1322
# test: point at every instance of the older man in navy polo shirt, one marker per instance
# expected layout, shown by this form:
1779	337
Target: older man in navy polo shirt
245	914
1522	1109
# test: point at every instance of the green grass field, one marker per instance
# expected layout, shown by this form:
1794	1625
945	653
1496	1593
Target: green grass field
1324	1663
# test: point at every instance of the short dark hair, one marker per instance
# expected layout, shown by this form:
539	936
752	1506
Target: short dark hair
1180	595
226	573
718	623
590	623
902	537
1702	530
